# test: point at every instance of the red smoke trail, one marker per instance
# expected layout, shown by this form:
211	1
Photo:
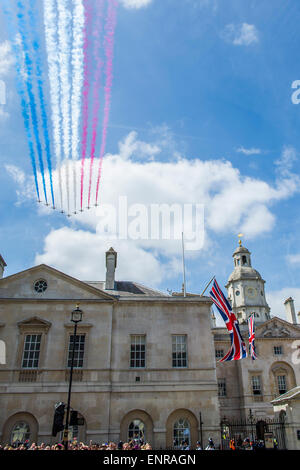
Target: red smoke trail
109	48
96	102
86	89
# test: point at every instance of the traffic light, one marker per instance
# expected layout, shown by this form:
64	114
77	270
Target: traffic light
74	418
58	421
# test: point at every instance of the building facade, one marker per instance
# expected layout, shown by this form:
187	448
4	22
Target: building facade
142	366
252	384
146	363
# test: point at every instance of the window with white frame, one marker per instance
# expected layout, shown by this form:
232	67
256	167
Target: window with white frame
181	433
278	350
179	351
136	430
222	388
138	351
31	353
256	385
78	351
281	381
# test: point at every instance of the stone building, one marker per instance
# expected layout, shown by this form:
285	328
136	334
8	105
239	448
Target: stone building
142	363
146	363
252	384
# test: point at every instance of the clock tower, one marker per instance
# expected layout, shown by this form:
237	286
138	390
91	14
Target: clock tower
246	289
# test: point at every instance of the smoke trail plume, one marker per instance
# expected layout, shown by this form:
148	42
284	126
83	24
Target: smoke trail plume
86	89
50	22
29	86
22	92
64	36
108	47
97	30
77	74
40	83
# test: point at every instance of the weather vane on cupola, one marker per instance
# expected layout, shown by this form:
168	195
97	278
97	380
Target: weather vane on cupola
240	235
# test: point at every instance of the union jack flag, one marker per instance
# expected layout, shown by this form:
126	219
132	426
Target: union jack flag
252	351
238	348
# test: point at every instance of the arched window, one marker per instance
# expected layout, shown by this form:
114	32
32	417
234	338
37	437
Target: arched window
136	430
181	432
244	259
20	433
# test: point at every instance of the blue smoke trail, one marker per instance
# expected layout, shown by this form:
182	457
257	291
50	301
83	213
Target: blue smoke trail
28	81
21	93
39	73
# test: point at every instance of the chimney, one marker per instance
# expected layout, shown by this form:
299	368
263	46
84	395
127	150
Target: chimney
290	311
2	266
111	264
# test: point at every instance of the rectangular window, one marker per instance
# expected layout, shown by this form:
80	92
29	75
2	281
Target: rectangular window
138	351
31	353
222	388
179	351
219	353
78	351
281	380
277	350
256	385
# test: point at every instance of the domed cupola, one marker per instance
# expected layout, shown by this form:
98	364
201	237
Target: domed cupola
245	288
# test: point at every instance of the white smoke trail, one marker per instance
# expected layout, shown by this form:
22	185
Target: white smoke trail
77	75
50	22
64	36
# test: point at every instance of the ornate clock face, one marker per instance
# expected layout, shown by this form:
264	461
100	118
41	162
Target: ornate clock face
251	292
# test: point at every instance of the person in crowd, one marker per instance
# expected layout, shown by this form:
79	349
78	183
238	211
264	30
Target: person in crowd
198	445
210	445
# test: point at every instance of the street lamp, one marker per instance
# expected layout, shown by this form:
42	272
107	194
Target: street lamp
251	419
76	317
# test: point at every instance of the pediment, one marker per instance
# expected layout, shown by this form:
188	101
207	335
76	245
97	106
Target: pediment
58	285
277	328
34	323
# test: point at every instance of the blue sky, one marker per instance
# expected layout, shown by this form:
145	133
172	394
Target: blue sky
198	80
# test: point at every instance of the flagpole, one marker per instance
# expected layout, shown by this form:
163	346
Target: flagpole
183	267
207	285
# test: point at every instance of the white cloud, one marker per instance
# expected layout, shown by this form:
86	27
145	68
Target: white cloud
3	114
260	220
232	203
240	35
81	254
6	58
293	259
276	300
25	189
250	151
131	4
133	147
286	160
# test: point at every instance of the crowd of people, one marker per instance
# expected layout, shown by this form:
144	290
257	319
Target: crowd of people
234	444
248	444
75	445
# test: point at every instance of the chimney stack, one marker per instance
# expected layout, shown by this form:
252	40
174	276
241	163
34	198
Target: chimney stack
290	311
111	264
2	266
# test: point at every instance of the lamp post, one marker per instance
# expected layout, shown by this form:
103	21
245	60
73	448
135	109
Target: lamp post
251	422
76	317
201	435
